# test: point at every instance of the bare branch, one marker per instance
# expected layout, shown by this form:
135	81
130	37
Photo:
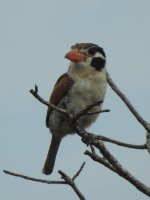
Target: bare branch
70	181
34	92
90	139
92	136
133	146
148	141
128	103
98	112
85	111
33	179
100	160
67	180
119	168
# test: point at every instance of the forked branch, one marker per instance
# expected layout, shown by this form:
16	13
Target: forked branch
67	180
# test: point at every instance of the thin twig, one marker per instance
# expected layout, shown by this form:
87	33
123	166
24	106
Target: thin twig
123	144
92	136
128	103
100	160
78	172
85	111
33	179
98	112
34	92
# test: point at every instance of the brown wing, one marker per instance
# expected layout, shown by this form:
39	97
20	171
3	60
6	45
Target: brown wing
63	84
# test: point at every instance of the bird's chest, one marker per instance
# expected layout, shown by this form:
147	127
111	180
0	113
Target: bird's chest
85	92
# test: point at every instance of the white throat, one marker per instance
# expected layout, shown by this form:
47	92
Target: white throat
84	70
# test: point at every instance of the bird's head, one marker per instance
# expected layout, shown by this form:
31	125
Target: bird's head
87	56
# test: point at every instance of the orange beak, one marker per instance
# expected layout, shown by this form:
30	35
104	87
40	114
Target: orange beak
75	56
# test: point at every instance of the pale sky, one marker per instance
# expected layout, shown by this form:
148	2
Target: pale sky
34	37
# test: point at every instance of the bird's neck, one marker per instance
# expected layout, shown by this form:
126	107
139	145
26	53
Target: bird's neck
81	70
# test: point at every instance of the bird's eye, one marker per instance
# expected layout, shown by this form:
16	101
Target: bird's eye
92	51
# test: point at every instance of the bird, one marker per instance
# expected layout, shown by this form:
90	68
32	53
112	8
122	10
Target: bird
83	84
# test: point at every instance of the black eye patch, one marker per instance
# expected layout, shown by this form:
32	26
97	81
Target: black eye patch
92	51
98	63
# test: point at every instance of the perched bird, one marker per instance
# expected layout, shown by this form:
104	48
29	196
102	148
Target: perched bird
83	84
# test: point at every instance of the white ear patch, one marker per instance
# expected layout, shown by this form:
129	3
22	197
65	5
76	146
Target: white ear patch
99	55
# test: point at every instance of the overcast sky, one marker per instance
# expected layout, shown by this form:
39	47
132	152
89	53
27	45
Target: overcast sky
34	37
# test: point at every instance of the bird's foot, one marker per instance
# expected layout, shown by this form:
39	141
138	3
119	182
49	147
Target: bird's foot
88	140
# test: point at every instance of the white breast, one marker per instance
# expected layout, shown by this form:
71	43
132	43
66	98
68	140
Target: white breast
86	90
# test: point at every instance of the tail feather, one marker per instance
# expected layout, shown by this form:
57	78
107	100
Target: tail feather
51	156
